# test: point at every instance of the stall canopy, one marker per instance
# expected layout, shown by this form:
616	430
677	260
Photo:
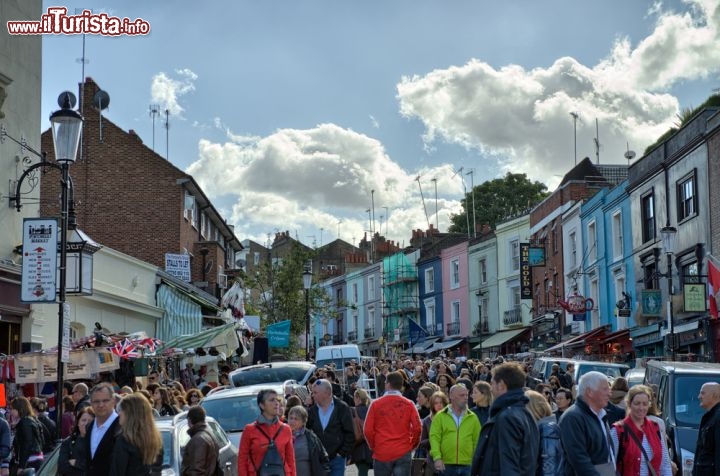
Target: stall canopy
498	339
422	346
576	341
438	346
182	315
223	337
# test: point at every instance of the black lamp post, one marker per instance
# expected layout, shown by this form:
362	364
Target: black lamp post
307	283
668	234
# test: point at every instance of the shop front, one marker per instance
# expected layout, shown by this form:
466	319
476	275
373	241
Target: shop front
647	341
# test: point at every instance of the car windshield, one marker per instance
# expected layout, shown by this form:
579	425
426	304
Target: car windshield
613	372
269	375
168	457
233	413
687	406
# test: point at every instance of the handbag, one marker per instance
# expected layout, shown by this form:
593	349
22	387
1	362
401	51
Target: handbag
637	442
357	427
605	469
417	467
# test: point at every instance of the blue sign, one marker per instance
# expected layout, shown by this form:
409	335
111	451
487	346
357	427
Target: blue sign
279	334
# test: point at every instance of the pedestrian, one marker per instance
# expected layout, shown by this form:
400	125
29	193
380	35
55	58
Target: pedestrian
438	401
392	444
28	441
103	431
423	400
73	457
567	378
68	417
81	397
310	455
454	435
584	433
563	400
267	436
510	441
618	391
330	419
361	454
49	427
138	448
707	450
637	440
551	461
200	455
482	399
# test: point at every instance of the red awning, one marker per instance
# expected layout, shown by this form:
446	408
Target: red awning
577	341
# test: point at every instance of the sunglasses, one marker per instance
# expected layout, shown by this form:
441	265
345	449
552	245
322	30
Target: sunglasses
547	393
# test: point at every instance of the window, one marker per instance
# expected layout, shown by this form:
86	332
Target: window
256	258
617	234
483	271
190	209
687	197
592	242
515	297
339	297
690	273
429	313
548	291
515	255
554	239
204	225
595	312
484	303
370	322
650	275
429	280
355	293
371	288
573	250
455	311
455	273
648	217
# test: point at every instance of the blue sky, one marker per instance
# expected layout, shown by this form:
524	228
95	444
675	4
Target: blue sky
290	113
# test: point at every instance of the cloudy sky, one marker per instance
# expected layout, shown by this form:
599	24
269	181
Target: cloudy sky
301	115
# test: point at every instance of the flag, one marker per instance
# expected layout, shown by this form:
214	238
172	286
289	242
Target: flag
713	288
416	332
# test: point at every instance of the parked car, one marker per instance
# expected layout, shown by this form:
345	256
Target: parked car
612	370
175	436
272	372
635	376
678	386
233	408
542	367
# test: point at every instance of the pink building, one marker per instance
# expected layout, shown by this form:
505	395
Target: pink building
454	262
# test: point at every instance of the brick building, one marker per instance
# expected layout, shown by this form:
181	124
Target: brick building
131	199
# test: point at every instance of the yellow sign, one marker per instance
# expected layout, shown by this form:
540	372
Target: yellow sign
695	297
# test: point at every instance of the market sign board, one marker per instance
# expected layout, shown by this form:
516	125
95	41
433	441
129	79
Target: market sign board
279	334
695	297
652	303
39	260
178	265
525	272
83	364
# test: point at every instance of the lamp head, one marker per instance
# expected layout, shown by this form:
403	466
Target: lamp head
66	128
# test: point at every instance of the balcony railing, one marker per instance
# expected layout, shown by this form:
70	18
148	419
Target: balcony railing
513	317
352	336
481	329
453	328
369	332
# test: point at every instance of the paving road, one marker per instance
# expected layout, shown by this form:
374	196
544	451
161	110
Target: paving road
352	471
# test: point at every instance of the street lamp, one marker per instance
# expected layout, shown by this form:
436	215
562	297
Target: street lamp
307	283
668	234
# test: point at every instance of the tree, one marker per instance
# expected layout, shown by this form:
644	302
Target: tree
497	199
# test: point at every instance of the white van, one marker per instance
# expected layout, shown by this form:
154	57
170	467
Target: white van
337	354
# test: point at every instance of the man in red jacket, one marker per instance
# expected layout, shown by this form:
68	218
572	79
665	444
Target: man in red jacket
392	429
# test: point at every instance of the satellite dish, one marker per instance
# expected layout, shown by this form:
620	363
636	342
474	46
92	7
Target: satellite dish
66	96
101	100
630	155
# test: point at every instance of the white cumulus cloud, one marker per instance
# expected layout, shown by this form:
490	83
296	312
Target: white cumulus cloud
166	91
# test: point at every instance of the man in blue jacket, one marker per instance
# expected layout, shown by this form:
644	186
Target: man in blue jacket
509	443
584	431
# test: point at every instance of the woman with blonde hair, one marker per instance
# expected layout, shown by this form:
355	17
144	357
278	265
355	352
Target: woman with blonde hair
438	401
551	451
139	447
361	454
482	398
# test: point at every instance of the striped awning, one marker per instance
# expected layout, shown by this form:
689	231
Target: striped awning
222	336
181	315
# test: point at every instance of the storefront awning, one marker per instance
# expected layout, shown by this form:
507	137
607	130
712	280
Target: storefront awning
577	340
422	346
616	336
498	339
213	337
438	346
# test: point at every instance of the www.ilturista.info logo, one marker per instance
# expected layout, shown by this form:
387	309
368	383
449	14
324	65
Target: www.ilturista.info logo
57	22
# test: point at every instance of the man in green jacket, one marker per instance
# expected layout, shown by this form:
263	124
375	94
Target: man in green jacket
454	434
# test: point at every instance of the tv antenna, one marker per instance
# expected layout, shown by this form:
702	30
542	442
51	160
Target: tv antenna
422	197
597	142
575	117
467	215
630	154
167	134
101	101
154	111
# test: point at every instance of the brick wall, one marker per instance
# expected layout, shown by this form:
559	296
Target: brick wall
714	188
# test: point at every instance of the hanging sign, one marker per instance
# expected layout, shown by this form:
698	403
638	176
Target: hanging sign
525	272
695	297
39	260
279	334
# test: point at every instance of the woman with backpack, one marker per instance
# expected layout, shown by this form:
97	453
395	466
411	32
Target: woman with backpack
551	462
361	454
29	441
637	441
266	447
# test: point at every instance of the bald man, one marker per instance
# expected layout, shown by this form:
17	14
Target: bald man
707	451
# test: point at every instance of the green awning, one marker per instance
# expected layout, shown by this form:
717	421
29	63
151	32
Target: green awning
498	339
200	339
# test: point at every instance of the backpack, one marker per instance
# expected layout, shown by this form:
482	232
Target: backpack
357	427
272	464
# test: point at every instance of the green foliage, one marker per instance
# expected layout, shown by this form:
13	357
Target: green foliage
683	117
498	199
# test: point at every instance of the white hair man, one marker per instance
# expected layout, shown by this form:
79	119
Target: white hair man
583	429
707	451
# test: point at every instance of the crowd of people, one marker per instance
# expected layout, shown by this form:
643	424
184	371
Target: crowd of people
405	417
459	417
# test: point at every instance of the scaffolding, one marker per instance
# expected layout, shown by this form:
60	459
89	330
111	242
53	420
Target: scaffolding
400	295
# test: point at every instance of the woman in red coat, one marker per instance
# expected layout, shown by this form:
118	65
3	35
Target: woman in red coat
257	435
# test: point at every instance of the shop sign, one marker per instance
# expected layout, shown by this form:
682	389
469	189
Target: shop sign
525	273
39	266
695	297
652	303
178	265
38	368
646	339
